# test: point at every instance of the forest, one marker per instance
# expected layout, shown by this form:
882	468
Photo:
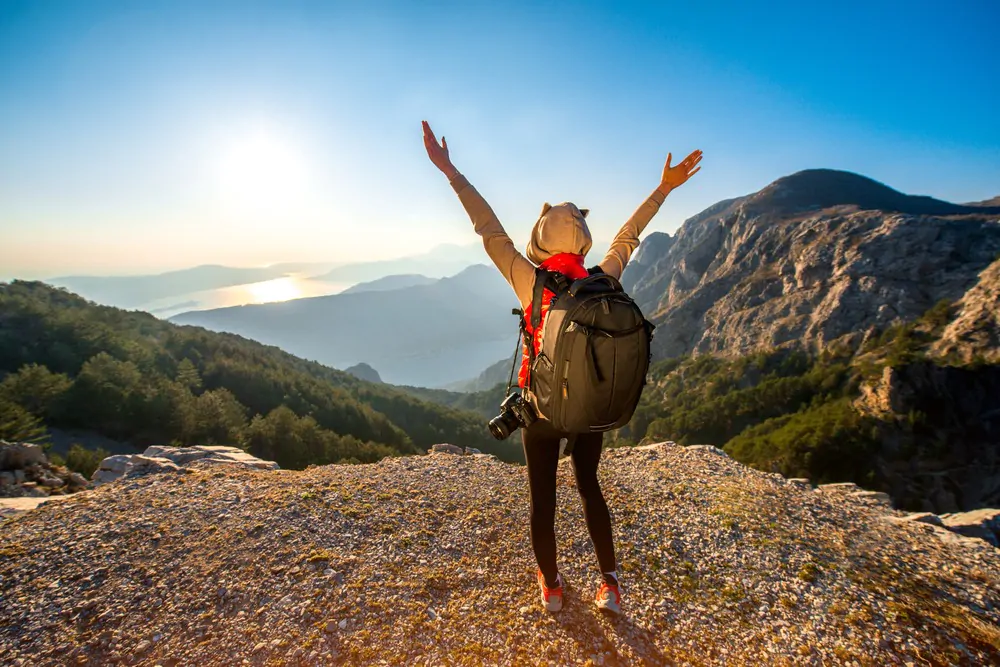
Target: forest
70	364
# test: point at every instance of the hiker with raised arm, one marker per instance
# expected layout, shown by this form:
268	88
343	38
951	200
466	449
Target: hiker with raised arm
586	348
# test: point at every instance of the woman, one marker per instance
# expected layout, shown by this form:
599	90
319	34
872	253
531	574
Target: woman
559	242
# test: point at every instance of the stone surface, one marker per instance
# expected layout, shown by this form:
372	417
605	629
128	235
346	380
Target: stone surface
171	459
722	565
982	523
20	455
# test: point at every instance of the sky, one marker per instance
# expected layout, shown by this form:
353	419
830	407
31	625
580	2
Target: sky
138	137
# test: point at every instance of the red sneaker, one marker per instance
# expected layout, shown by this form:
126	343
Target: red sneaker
552	598
608	599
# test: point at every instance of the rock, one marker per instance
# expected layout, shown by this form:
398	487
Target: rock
51	482
140	464
801	482
104	476
171	459
211	453
76	479
840	487
19	477
922	517
343	624
15	455
446	449
110	469
982	523
7	478
472	450
711	449
874	497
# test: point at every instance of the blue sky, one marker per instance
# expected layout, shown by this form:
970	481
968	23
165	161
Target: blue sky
146	136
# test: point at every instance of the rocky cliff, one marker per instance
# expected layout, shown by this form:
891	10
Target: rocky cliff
813	258
975	331
414	561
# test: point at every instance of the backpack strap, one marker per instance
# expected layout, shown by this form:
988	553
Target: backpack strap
545	280
594	270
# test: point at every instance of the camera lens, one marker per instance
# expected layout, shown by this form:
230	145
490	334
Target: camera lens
503	425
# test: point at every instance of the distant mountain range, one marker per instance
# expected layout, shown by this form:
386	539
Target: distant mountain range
390	283
443	260
424	335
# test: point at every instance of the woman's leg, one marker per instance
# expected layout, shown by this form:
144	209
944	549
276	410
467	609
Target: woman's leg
586	457
541	451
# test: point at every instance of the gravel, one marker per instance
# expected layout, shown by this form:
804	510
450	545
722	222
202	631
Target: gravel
425	561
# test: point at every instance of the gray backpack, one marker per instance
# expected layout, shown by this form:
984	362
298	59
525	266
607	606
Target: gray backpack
591	367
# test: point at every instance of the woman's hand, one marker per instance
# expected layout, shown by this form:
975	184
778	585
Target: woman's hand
438	153
676	176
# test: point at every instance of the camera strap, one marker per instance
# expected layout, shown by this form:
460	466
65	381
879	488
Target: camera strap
520	339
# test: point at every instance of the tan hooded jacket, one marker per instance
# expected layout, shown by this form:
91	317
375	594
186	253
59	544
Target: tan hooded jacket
561	228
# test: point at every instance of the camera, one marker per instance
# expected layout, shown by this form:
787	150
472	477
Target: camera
515	412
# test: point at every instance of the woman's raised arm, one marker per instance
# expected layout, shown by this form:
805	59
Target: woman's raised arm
627	239
516	269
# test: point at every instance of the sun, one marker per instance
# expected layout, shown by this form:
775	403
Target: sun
279	289
260	172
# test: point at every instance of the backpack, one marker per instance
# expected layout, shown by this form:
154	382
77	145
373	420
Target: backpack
591	367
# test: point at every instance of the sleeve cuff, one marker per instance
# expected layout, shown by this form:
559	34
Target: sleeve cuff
459	183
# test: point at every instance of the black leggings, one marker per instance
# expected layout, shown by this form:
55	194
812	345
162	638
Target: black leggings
541	451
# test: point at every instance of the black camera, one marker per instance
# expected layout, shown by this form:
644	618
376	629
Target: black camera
515	412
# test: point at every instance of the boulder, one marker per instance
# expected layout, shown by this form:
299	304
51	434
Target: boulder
872	497
446	449
472	450
171	459
800	482
20	455
140	464
213	453
982	523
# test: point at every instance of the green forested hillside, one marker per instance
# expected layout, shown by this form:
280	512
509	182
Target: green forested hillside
888	416
68	363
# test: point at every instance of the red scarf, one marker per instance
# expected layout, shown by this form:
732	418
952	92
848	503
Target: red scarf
571	266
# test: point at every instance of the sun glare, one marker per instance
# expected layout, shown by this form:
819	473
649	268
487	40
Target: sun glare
260	172
279	289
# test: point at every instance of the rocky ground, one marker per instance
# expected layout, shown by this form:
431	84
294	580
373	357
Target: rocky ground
425	560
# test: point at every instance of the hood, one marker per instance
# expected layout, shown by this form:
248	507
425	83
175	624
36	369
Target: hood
561	228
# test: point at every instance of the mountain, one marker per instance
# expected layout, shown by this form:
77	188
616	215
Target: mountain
69	364
442	260
364	372
390	283
498	373
813	258
986	202
425	560
427	335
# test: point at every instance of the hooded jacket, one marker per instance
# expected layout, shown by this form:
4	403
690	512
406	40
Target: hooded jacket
559	229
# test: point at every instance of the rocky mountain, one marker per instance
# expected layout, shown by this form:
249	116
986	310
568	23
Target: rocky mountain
813	258
413	561
975	331
426	335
